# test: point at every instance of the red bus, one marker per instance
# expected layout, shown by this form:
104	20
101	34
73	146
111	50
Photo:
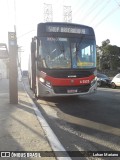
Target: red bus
63	60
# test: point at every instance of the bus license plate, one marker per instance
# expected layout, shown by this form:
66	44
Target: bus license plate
72	91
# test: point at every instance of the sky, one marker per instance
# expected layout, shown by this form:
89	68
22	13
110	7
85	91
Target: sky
103	16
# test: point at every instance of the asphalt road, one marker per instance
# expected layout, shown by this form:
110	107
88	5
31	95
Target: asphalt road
84	123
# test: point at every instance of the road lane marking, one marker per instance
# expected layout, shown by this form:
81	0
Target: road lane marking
91	124
91	138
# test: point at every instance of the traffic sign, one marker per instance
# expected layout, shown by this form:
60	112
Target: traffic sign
12	39
12	35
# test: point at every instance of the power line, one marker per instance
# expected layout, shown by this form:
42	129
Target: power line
91	9
117	3
111	12
80	7
100	11
25	34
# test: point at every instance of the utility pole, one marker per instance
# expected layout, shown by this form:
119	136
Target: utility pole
67	14
13	71
48	17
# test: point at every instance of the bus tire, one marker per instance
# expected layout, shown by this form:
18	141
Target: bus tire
36	96
113	85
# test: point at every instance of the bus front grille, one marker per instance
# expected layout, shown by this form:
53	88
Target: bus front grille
67	89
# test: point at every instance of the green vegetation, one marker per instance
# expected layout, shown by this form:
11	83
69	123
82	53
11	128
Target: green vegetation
108	57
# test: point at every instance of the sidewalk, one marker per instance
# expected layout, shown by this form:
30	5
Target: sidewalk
19	127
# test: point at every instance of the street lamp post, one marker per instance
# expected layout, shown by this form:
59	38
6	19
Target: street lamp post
13	73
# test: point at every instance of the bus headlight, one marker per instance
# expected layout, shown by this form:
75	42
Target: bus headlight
42	80
47	83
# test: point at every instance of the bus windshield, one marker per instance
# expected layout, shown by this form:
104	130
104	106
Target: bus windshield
59	52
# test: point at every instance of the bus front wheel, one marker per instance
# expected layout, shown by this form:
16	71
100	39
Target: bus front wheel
36	93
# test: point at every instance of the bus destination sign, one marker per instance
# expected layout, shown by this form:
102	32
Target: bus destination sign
67	29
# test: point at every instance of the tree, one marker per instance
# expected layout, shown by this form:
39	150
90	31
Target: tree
109	57
105	43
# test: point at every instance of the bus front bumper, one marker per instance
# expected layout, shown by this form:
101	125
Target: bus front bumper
45	91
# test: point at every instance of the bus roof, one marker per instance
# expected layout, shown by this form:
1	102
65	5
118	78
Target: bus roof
64	28
64	23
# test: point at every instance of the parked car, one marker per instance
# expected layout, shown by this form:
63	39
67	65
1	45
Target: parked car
116	81
103	80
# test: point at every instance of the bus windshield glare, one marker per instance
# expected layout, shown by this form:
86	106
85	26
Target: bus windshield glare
59	52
